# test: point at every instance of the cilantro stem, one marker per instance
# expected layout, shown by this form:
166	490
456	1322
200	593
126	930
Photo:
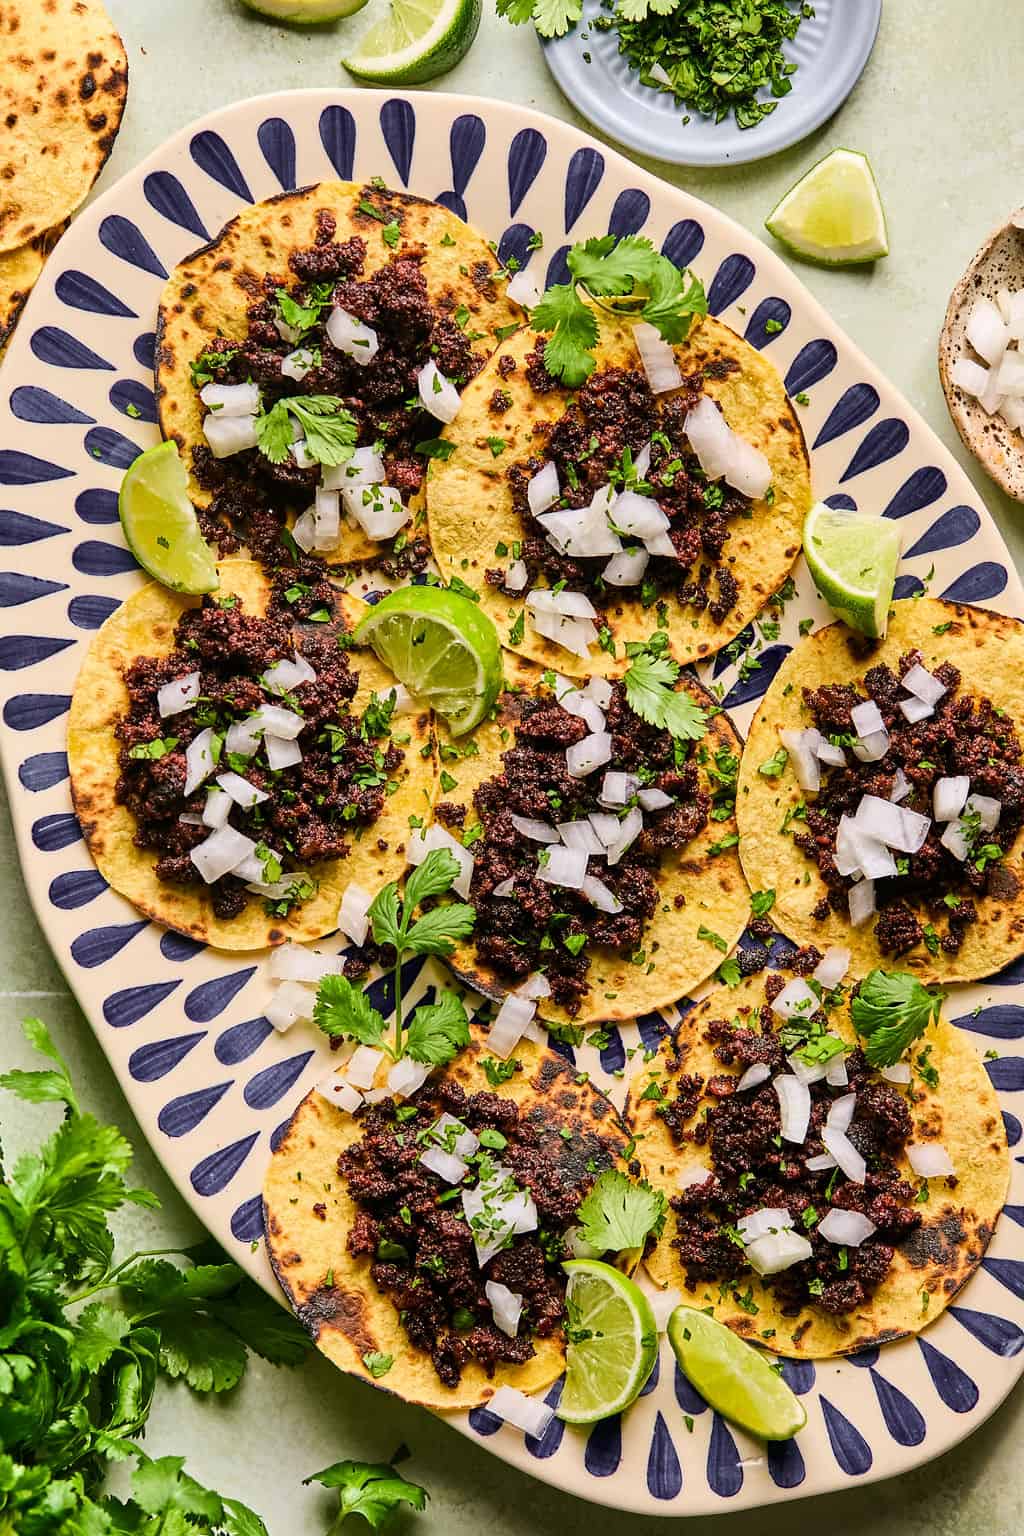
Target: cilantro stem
110	1278
399	1049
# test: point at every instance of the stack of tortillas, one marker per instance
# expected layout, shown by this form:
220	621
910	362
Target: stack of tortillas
63	83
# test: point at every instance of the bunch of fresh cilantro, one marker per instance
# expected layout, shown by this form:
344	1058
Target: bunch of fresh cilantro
84	1341
625	276
435	1031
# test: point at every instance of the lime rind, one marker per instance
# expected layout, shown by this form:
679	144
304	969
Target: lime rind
833	216
736	1379
853	559
416	41
608	1366
305	13
160	525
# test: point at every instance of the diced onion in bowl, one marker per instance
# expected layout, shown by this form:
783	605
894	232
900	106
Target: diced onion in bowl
848	1229
832	966
652	799
776	1251
617	788
543	490
898	1073
627	568
523	288
565	867
862	902
217	808
351	336
293	962
199	763
949	796
987	809
438	394
802	747
591	753
987	331
506	1305
580	834
845	1154
536	831
353	913
231	400
227	435
796	1000
422	843
757	1073
280	753
657	359
922	684
180	694
290	1004
1009	377
510	1022
795	1107
445	1164
929	1160
241	791
970	376
531	1415
599	895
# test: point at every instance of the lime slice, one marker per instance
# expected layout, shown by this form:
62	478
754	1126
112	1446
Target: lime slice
853	558
441	647
415	41
734	1377
834	215
160	522
305	12
613	1342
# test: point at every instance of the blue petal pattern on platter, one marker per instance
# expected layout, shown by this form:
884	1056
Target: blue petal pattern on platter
854	407
215	1172
90	610
184	1113
247	1221
80	291
20	651
957	526
653	1379
338	137
97	506
277	141
212	155
179	946
76	888
465	146
270	1086
582	179
17	468
1014	1131
849	1447
210	998
1009	1272
978	585
52	833
730	283
131	1004
133	399
799	1375
144	350
96	558
664	1474
687	1396
30	403
241	1040
398	125
98	945
997	1334
954	1386
18	528
629	212
724	1473
1001	1021
165	193
111	448
785	1464
149	1063
767	323
515	242
885	440
16	588
684	242
1007	1074
903	1420
814	362
924	487
525	157
604	1447
43	770
123	238
746	689
28	711
62	350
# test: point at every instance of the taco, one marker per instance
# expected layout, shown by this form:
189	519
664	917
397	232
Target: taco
882	793
19	270
376	1260
808	1253
348	301
177	697
554	479
643	818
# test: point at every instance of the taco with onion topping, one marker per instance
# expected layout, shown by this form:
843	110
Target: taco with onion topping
308	357
881	793
234	773
820	1205
597	509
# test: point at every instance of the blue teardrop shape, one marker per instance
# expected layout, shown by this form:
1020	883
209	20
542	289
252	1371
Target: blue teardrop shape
112	448
20	651
515	242
29	403
484	1422
16	588
653	1379
997	1334
547	1444
853	408
978	585
951	1382
687	1396
664	1474
454	203
613	1055
683	243
183	1114
653	1030
526	155
465	146
52	833
151	1062
841	503
730	282
724	1473
799	1375
1006	1074
98	945
398	125
582	179
80	291
247	1221
563	1049
212	997
61	350
179	946
907	586
133	399
957	526
95	558
629	212
1014	1131
864	1358
924	487
849	1447
1002	1021
166	195
558	267
767	323
144	350
76	889
89	611
43	770
240	1041
604	1447
338	137
127	1007
270	1085
97	506
277	141
785	1463
213	156
1009	1272
17	468
124	239
903	1419
814	362
17	528
885	440
753	686
215	1172
28	711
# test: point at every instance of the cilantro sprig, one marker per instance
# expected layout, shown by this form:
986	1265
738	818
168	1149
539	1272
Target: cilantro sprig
891	1011
374	1491
304	316
329	428
651	693
618	1214
626	276
436	1031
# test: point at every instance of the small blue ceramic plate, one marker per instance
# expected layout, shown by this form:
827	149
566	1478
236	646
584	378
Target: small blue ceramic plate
831	49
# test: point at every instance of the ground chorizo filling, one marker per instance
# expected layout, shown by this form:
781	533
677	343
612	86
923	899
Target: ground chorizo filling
524	921
929	897
435	1246
299	815
613	420
753	1169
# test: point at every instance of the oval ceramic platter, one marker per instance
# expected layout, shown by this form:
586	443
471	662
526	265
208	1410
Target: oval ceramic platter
209	1080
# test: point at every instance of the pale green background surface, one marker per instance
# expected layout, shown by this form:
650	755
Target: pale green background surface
938	112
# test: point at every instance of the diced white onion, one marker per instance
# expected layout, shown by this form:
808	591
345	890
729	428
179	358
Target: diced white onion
866	718
626	569
336	1091
693	1174
848	1229
796	998
970	376
929	1159
922	684
858	853
523	288
1009	377
517	577
630	827
506	1305
845	1154
576	703
304	530
916	710
592	752
901	787
505	887
606	827
285	675
229	434
894	825
241	791
543	490
522	1412
795	1107
580	834
241	739
757	1073
297	364
438	394
190	819
515	1013
293	962
807	1072
275	720
582	532
217	808
536	831
950	795
180	694
422	843
661	544
536	985
199	763
351	336
353	912
832	966
873	747
836	1074
617	788
569	605
723	453
642	461
639	515
987	332
654	799
987	809
378	509
599	895
231	400
445	1164
326	519
774	1252
575	635
657	358
565	867
821	1163
954	838
454	1135
802	747
290	1004
288	333
832	756
760	1223
841	1111
899	1073
365	467
363	1064
862	902
280	753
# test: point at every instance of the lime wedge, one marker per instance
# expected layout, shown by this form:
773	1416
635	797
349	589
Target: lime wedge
305	12
613	1342
733	1377
415	41
834	215
853	558
160	523
441	647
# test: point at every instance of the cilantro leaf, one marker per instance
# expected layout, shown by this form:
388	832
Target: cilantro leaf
891	1011
555	17
608	265
304	316
383	914
573	324
163	1485
42	1086
651	694
618	1214
329	428
516	11
98	1333
670	306
373	1491
342	1009
436	932
436	875
438	1030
